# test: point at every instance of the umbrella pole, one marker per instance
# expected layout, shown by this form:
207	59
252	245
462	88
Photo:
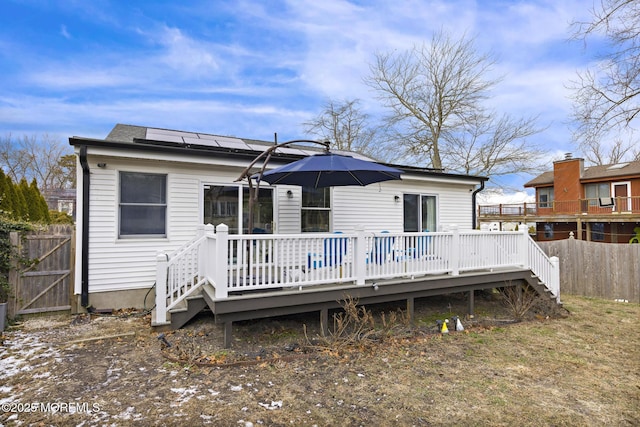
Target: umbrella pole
253	198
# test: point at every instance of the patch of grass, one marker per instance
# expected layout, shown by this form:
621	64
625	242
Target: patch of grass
579	370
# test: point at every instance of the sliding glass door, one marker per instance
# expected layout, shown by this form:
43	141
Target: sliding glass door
227	204
419	213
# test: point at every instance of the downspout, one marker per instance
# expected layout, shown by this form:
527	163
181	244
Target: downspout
473	202
84	295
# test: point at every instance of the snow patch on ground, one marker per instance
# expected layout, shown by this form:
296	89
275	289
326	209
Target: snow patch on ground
21	353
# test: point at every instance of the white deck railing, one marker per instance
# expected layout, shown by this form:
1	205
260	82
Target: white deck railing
233	263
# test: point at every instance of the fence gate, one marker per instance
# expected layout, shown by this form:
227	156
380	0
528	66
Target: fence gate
45	283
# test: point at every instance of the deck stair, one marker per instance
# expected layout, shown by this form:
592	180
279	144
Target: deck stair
541	288
186	310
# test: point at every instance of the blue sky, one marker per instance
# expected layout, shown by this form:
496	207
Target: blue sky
252	68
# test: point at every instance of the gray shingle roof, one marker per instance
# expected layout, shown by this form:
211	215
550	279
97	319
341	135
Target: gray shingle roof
126	133
609	171
592	173
543	179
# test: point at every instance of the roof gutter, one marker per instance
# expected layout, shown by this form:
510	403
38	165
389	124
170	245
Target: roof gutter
473	202
84	296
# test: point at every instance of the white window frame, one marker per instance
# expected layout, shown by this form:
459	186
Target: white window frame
420	196
121	204
628	184
550	193
240	189
329	210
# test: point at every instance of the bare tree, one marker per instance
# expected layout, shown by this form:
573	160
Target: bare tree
494	145
606	104
436	94
42	158
348	128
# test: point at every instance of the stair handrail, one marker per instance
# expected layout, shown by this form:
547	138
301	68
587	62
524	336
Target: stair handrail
178	274
545	267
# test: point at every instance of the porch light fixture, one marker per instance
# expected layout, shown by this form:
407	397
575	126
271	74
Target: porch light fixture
289	194
396	199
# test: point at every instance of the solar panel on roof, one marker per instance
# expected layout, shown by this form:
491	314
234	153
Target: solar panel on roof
206	136
168	132
295	151
222	139
201	142
352	154
194	139
164	137
236	144
257	147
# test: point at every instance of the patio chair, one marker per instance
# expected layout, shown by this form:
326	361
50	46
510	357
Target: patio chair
382	249
422	246
334	251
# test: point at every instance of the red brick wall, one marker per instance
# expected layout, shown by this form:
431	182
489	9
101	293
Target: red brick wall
635	187
566	179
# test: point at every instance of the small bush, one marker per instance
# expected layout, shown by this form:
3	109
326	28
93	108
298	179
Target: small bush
356	326
519	299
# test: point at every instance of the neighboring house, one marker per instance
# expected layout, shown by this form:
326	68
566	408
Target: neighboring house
597	203
61	200
143	190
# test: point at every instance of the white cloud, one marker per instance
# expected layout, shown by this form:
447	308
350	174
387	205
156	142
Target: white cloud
498	196
64	32
187	55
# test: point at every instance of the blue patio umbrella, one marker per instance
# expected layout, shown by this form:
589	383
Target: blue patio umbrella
330	170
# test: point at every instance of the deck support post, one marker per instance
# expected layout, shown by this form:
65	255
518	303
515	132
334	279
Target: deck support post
228	333
471	302
411	310
324	322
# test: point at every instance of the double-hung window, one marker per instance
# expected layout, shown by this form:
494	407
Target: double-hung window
316	209
545	197
143	204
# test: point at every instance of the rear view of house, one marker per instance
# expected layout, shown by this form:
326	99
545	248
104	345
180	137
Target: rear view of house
143	190
163	221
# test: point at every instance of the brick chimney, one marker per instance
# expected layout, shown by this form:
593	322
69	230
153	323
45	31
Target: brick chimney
566	178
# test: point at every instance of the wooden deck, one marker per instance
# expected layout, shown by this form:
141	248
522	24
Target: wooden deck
322	298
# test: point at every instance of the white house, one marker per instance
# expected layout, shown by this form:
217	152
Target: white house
147	191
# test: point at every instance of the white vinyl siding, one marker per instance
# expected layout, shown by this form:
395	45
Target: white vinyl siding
375	207
287	210
122	264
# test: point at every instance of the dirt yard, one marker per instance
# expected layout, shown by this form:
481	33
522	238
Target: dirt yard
577	369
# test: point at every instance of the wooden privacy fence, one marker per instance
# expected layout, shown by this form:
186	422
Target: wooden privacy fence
592	269
45	283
